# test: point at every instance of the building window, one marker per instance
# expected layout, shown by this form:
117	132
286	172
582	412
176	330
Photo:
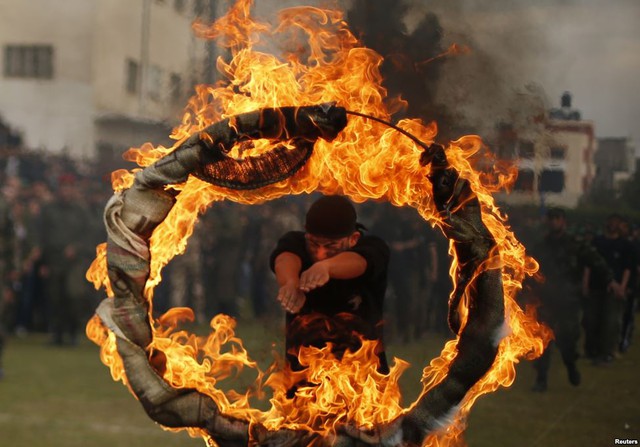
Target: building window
526	149
557	153
28	61
525	179
133	76
551	180
179	5
175	82
155	82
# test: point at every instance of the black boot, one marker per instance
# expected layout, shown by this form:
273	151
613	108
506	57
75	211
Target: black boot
540	386
574	375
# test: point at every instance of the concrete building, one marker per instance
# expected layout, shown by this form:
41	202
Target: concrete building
554	156
83	77
615	161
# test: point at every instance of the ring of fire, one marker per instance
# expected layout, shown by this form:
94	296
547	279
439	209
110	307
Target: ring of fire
365	161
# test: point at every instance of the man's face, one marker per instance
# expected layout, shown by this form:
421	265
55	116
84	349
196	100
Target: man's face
321	248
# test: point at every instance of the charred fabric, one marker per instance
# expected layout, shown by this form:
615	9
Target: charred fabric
132	215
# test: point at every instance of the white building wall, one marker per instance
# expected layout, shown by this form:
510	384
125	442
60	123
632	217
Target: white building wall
170	45
117	37
52	113
86	100
575	165
576	137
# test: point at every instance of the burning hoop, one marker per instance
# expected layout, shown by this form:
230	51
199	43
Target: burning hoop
296	150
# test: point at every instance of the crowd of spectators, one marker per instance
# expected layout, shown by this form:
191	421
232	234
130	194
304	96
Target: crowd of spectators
51	221
54	208
587	287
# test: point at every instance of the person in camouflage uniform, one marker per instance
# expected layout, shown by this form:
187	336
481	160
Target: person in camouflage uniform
565	263
605	305
6	257
65	250
628	323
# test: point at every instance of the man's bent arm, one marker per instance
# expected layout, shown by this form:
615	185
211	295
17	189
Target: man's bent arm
287	268
345	265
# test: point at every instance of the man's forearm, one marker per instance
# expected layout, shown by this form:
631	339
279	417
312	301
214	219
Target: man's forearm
346	265
287	268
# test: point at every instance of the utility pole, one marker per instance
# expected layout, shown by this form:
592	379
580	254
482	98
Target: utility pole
210	73
144	56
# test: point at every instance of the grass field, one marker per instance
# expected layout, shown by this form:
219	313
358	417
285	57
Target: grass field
64	397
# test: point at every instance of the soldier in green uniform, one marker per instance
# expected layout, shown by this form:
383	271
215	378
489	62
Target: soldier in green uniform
6	257
565	264
65	241
605	305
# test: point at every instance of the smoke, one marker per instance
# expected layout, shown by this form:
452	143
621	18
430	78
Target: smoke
468	92
464	92
407	72
515	48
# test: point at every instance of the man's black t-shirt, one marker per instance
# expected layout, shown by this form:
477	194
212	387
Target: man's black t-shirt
617	252
341	310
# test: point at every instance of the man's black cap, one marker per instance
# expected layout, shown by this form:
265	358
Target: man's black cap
332	217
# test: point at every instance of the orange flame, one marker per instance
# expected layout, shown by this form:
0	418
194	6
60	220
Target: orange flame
453	50
366	161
